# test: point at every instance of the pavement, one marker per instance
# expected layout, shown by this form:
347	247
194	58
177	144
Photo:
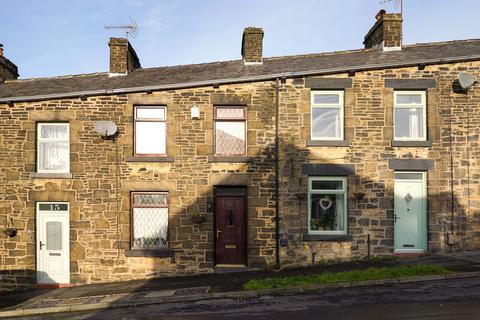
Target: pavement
430	300
207	287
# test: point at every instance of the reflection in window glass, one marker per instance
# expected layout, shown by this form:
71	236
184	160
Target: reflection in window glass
409	116
326	123
53	148
405	98
327	115
409	123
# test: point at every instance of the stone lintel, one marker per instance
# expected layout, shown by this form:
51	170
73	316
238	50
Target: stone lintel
51	195
328	83
229	179
328	169
229	99
148	186
410	84
411	164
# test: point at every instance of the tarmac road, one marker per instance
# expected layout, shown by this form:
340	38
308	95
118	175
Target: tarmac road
445	299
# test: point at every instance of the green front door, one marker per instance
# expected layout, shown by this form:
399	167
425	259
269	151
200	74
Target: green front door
410	212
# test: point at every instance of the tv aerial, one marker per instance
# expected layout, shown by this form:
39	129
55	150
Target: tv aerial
129	29
398	4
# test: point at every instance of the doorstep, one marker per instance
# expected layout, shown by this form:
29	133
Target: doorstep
53	285
228	268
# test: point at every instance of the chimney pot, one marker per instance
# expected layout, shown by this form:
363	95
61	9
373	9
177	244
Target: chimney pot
123	58
1	50
380	14
252	45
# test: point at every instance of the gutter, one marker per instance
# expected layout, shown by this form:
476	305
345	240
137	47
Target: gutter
277	177
268	77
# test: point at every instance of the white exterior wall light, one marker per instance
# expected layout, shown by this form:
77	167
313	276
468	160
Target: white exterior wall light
195	112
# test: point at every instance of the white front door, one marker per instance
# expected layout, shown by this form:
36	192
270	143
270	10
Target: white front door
410	212
53	242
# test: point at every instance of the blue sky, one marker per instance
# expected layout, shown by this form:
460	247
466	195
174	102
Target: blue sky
59	37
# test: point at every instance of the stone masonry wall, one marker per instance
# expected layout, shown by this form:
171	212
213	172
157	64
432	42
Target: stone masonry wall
99	235
369	128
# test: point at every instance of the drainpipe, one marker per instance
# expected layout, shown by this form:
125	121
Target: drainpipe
277	178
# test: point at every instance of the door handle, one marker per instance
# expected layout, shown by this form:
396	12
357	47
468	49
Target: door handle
218	233
395	217
41	245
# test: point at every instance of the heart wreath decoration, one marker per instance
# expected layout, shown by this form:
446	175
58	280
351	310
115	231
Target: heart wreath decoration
325	203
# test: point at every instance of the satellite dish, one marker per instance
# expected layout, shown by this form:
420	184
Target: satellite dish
106	128
466	80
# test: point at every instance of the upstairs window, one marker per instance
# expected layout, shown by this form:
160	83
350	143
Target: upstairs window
327	211
230	131
150	220
53	148
327	115
150	130
410	115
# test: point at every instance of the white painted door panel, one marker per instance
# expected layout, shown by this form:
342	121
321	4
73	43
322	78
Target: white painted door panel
53	252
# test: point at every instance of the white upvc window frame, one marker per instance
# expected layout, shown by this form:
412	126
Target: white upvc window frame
134	205
339	106
40	140
343	191
422	105
219	119
137	119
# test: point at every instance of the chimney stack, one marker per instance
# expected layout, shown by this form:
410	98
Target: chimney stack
386	33
8	70
252	45
123	58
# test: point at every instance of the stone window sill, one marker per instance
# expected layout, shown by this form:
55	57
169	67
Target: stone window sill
150	159
232	159
427	143
46	175
160	253
327	237
328	143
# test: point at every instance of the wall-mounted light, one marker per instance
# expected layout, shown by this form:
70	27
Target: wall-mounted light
195	112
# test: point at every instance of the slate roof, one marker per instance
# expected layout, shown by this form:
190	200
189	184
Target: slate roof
235	71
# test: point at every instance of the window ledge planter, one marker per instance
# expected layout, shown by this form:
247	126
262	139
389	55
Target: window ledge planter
427	143
232	159
150	159
160	253
327	237
46	175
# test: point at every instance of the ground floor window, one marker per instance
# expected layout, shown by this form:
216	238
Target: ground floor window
327	208
149	220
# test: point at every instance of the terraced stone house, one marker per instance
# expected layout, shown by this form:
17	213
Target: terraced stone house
253	163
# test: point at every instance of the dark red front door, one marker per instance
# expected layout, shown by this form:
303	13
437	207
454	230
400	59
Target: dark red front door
230	230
